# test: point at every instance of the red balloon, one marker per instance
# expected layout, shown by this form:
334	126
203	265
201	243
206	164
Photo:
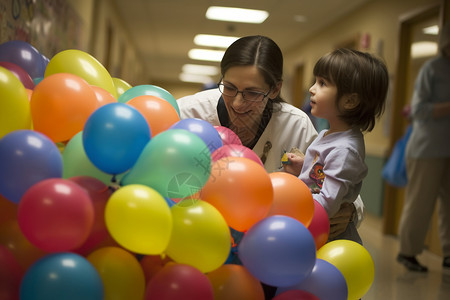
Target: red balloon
99	193
152	264
320	225
228	136
20	73
235	151
179	281
296	295
10	275
56	215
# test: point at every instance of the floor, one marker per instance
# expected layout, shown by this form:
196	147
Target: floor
392	280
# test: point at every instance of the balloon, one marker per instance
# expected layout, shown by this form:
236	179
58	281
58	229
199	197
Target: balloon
8	210
228	136
326	282
152	264
236	151
148	89
240	189
174	163
296	294
158	113
62	275
202	129
10	274
99	194
24	55
320	225
139	219
84	65
56	215
235	282
200	235
179	281
114	137
278	250
121	86
120	271
103	96
353	261
26	157
61	104
20	73
291	197
14	104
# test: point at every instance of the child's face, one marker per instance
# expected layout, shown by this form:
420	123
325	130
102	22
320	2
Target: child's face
323	99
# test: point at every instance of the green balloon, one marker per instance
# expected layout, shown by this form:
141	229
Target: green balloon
176	163
148	89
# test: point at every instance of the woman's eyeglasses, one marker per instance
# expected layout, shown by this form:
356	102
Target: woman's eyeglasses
248	95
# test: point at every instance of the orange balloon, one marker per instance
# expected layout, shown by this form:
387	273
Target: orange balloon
8	210
29	93
240	189
235	282
151	264
291	197
61	104
159	113
103	96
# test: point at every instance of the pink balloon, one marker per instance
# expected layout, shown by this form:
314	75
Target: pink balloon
228	136
56	215
296	295
320	225
20	73
179	281
234	150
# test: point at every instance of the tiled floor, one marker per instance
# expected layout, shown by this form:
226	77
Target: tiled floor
392	280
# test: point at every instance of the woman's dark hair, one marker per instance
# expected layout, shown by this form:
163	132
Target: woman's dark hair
361	73
259	51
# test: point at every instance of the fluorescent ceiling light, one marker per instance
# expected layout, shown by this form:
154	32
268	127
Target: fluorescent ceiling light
195	78
210	40
423	49
200	69
208	55
234	14
434	30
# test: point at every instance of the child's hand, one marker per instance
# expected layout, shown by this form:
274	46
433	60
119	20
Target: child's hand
295	163
339	222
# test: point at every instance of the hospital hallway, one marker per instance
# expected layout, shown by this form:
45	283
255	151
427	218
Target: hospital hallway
392	280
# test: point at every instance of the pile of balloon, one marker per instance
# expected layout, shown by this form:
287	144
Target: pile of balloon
105	193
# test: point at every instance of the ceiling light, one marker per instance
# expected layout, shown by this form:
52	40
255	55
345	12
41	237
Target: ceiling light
210	40
234	14
208	55
195	78
423	49
200	69
434	30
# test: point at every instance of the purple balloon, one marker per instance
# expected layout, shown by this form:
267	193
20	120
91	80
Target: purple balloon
26	157
326	282
203	130
24	55
278	250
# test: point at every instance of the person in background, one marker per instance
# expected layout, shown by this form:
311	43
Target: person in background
349	92
428	160
248	101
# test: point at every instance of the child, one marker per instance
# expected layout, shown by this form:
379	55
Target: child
349	92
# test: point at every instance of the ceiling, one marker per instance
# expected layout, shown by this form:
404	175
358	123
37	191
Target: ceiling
163	30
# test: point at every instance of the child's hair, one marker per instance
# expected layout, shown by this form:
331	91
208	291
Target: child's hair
356	72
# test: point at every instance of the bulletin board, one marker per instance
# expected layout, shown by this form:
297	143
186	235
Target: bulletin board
49	25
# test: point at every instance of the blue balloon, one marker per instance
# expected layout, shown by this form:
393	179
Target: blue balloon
148	89
63	275
326	282
26	157
202	129
24	55
278	250
114	137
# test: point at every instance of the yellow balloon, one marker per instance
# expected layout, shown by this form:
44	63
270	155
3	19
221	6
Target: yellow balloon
14	104
121	86
139	219
200	236
83	65
354	262
120	271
